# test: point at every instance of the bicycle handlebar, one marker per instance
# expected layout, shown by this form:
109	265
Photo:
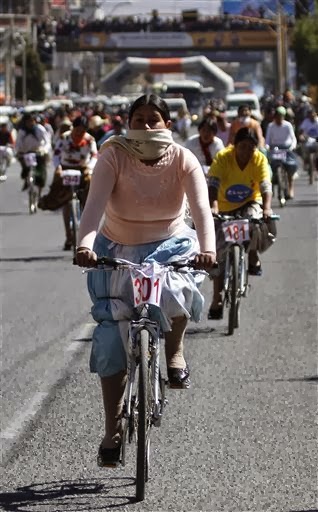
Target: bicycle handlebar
117	263
121	263
223	218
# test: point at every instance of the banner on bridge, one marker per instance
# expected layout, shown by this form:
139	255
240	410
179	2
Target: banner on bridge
232	40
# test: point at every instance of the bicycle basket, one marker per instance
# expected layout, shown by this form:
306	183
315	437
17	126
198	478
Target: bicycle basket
263	236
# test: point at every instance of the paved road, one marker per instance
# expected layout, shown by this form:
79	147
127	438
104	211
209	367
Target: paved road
243	438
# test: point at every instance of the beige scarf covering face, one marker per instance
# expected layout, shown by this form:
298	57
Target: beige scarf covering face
143	144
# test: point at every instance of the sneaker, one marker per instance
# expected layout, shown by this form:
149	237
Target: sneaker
179	378
108	457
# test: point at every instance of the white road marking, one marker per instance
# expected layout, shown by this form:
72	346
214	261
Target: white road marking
28	412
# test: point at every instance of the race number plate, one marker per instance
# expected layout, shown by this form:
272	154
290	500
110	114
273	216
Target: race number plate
147	284
71	180
71	177
279	155
236	231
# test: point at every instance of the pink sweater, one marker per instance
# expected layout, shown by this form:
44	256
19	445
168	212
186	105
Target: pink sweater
144	203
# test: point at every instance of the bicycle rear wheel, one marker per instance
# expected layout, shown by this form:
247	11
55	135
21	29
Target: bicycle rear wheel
233	288
143	417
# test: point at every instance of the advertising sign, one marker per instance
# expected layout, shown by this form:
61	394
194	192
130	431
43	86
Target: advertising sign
230	40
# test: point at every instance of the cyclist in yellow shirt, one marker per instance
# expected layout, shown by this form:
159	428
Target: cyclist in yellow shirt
239	184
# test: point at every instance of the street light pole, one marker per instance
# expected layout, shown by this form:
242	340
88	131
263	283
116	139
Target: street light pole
24	74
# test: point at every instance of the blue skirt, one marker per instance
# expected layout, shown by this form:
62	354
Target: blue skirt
112	295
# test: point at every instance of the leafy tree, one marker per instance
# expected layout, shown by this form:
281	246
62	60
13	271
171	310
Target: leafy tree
35	90
305	45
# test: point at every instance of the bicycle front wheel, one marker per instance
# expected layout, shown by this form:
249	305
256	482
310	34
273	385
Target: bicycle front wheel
233	288
32	196
281	185
75	220
143	417
312	165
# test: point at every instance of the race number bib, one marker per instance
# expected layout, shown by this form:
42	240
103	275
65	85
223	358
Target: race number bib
279	155
147	284
30	159
236	231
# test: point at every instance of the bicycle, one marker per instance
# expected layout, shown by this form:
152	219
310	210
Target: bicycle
277	159
236	232
3	163
72	178
312	145
31	162
144	400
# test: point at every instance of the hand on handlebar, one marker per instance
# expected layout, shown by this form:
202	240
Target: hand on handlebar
205	260
85	257
267	212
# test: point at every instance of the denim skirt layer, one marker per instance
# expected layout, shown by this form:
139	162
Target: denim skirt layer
111	293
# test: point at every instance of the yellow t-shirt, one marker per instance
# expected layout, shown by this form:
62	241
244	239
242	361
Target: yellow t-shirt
237	187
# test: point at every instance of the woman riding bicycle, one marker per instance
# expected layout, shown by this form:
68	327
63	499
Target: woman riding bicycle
239	184
140	182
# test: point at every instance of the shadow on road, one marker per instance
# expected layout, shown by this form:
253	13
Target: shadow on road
68	495
310	378
307	510
302	204
12	214
30	259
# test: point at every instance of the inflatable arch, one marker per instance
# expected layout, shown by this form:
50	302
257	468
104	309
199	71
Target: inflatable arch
131	67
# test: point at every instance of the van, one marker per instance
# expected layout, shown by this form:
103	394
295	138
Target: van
234	100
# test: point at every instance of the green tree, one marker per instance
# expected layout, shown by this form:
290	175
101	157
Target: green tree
305	45
35	90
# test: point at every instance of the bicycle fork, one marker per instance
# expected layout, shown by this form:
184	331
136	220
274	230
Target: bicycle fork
241	274
132	361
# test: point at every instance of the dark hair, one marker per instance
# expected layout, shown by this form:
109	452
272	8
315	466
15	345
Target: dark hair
209	123
81	121
27	116
245	134
153	100
241	107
